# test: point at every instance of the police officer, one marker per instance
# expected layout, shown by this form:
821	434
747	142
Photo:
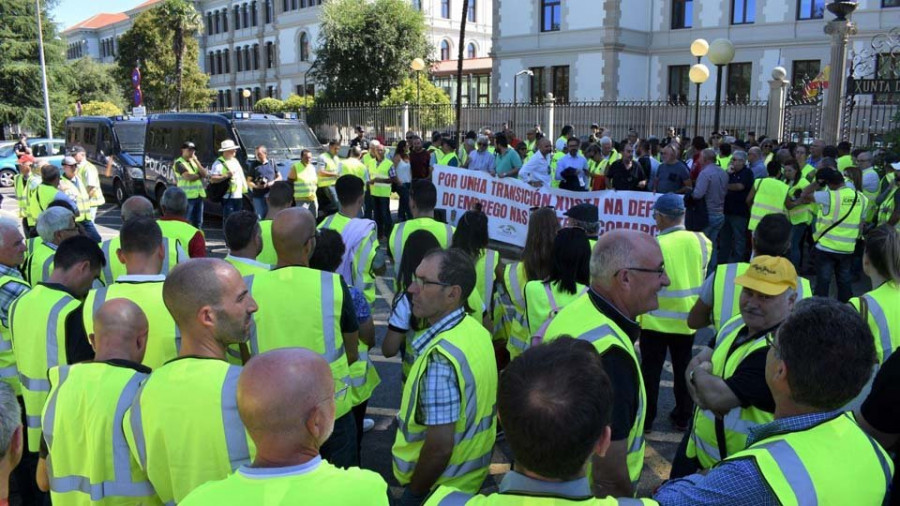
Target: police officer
54	226
719	296
627	271
74	188
142	252
329	323
174	207
244	240
189	176
552	446
839	222
726	379
791	460
46	329
686	255
880	307
422	201
286	399
447	420
90	178
85	409
183	426
137	206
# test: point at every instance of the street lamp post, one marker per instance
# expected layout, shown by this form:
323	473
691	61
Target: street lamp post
516	93
418	65
721	52
698	75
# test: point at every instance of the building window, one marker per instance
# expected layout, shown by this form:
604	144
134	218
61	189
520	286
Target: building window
225	20
247	58
802	72
538	89
256	95
270	91
294	5
445	9
471	14
810	9
253	17
550	15
219	66
890	3
417	5
887	66
218	25
269	13
245	16
682	14
743	12
238	61
220	100
237	17
738	84
209	23
470	51
679	83
226	58
210	60
561	84
445	50
309	91
304	47
255	56
227	98
270	55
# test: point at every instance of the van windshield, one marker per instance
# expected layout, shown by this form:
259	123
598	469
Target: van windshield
282	138
131	136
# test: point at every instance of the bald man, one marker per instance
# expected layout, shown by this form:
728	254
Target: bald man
83	416
286	399
183	426
137	207
328	318
142	252
626	273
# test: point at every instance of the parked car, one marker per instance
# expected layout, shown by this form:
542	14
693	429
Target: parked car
284	138
45	150
115	145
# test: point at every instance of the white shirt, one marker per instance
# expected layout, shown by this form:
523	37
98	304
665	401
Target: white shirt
237	176
577	162
536	169
404	172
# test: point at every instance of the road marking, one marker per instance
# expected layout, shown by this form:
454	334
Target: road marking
664	437
391	412
656	463
385	290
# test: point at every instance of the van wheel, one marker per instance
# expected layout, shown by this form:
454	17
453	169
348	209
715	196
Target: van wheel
7	178
119	192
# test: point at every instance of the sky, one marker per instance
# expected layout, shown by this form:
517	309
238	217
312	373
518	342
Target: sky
69	12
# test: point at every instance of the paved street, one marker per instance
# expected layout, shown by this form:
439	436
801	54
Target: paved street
385	401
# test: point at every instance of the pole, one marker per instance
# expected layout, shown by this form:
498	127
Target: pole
697	112
418	106
515	101
37	4
718	97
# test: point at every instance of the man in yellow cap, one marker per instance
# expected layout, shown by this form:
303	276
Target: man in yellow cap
727	380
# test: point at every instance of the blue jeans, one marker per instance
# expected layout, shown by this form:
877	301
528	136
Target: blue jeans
797	233
261	206
839	264
734	239
340	449
195	212
91	231
403	212
229	207
716	220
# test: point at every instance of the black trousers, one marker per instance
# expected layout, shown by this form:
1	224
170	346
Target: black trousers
654	346
340	449
359	414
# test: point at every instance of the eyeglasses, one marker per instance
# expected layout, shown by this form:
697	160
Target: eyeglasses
770	341
659	272
422	282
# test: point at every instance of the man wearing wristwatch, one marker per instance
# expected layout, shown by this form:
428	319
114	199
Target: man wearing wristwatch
727	379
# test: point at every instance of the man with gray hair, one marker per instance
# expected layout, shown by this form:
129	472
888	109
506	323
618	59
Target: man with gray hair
174	223
757	165
481	159
627	272
737	212
11	440
12	285
711	188
54	225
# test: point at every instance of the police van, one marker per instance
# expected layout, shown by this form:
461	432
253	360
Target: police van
115	145
284	138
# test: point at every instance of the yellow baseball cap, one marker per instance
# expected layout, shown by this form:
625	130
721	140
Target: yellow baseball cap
769	275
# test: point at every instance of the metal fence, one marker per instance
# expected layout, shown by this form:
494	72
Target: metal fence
868	123
647	118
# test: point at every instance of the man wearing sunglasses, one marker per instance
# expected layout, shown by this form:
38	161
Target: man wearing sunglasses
627	272
287	401
447	419
727	379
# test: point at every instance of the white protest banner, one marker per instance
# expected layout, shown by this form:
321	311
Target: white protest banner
507	202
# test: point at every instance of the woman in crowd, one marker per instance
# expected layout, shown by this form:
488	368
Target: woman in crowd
471	236
569	278
800	214
879	307
402	180
327	257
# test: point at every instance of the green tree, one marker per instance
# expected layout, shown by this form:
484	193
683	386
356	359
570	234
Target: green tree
96	108
184	20
365	48
435	111
22	97
92	81
148	43
294	102
269	105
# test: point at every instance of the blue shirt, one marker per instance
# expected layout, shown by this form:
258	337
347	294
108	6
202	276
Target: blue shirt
481	161
439	399
577	162
736	482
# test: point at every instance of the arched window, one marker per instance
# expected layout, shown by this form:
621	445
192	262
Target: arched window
209	23
445	50
470	51
238	61
247	58
226	58
255	56
245	22
253	16
219	62
211	60
225	19
471	14
304	47
269	13
237	17
218	22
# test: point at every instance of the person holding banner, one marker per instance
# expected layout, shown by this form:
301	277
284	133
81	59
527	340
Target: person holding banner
536	170
572	169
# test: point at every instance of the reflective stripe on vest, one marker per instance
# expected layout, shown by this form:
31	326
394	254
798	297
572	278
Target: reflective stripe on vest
883	308
769	199
538	337
114	268
192	189
306	183
686	257
122	486
843	236
887	209
490	264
